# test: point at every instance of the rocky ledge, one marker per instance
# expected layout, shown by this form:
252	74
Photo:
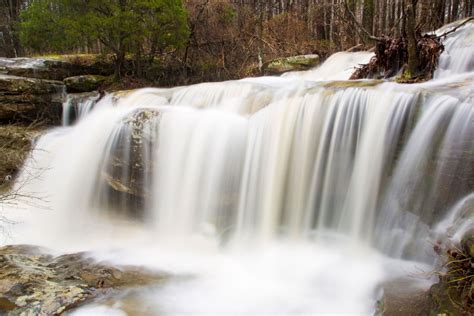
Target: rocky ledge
56	67
30	100
84	83
35	283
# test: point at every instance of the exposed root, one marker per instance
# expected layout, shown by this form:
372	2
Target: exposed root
391	57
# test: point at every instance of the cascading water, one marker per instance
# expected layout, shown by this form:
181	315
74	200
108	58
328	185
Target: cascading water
76	106
277	195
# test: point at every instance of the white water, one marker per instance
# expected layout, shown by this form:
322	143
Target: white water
269	195
457	57
77	106
339	66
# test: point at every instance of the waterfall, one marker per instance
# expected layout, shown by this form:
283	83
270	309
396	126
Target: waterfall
76	106
303	181
457	57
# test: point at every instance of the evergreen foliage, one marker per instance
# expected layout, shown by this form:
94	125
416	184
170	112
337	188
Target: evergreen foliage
142	28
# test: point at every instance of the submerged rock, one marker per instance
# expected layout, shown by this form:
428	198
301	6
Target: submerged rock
130	164
35	283
294	63
85	83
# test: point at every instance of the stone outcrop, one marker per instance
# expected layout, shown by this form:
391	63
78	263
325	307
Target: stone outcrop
15	144
294	63
84	83
28	100
55	69
35	283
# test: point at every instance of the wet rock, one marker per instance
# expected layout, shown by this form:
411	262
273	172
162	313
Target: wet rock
403	297
130	164
85	83
294	63
29	100
35	283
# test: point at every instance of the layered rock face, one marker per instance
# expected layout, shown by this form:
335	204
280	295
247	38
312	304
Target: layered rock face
32	92
27	107
27	100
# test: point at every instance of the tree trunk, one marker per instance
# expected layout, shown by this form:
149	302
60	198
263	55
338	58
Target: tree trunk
413	62
119	63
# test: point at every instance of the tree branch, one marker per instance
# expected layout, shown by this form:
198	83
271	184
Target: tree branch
455	28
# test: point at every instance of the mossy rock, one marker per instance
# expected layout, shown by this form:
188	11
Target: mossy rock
467	242
85	83
294	63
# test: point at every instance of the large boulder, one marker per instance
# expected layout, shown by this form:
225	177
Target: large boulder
85	83
29	100
35	283
294	63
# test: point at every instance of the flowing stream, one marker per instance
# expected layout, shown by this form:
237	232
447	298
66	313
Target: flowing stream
298	194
